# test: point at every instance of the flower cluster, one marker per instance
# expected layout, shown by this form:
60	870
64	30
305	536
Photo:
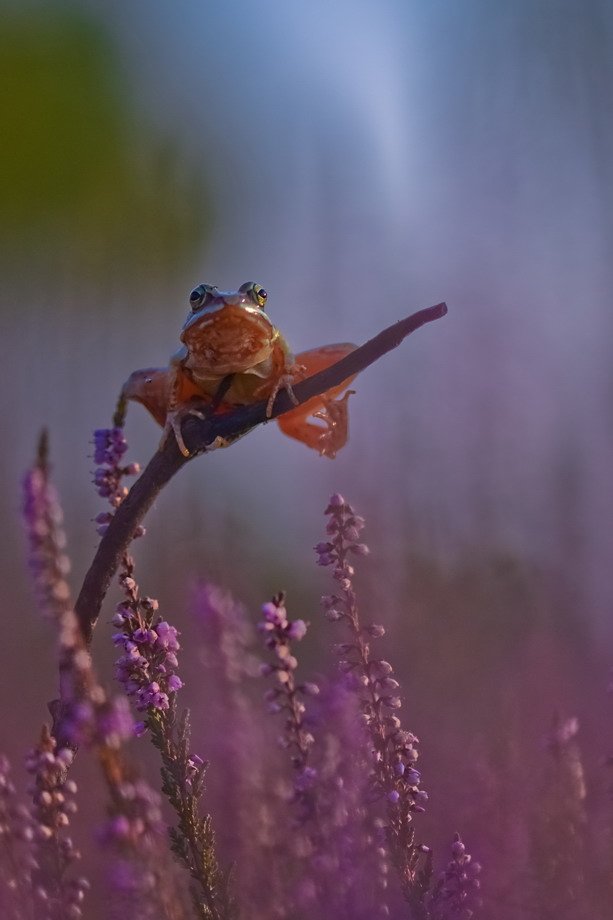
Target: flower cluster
84	715
393	773
97	720
251	805
133	833
109	447
147	667
53	795
279	632
456	893
147	671
16	835
49	564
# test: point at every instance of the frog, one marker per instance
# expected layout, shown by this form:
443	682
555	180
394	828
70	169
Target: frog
232	354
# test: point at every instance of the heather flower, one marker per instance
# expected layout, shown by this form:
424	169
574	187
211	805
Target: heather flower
456	893
147	666
147	671
352	863
85	715
285	696
237	736
58	891
312	884
393	777
141	879
16	856
43	517
110	445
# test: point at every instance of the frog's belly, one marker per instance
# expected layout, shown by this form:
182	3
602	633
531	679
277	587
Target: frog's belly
245	383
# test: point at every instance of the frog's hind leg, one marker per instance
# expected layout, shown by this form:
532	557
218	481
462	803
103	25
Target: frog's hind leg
330	408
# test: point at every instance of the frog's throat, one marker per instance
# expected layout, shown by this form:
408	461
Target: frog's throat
207	377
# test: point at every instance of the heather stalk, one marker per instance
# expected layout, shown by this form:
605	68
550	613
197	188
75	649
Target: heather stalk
84	715
286	696
58	891
455	896
16	855
316	887
147	671
237	740
393	776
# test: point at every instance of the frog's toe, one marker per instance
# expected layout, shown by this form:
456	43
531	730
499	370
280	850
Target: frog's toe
334	415
174	421
285	382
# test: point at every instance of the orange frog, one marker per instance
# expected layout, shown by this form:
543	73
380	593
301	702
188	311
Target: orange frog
231	347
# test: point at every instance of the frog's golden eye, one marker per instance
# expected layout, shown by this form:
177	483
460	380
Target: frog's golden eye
255	291
201	295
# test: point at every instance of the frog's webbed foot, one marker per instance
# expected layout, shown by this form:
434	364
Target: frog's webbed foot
326	439
293	374
335	415
174	421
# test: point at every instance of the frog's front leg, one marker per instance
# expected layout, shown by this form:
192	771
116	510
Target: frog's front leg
166	392
285	381
181	389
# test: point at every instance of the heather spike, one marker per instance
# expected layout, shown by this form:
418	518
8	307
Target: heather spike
147	670
456	893
17	861
58	891
393	775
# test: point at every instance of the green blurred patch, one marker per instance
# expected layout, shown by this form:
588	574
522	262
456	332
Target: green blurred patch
81	177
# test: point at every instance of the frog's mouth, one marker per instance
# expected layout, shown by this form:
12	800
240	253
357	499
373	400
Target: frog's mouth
228	338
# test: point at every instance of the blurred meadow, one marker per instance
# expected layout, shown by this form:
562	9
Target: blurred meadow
360	160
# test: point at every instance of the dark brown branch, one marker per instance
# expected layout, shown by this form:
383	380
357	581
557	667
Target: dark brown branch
199	435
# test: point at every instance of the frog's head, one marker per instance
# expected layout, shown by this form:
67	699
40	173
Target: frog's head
228	331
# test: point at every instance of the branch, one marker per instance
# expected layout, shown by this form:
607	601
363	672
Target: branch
199	436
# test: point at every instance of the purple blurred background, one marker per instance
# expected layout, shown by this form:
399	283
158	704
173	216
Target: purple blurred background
360	160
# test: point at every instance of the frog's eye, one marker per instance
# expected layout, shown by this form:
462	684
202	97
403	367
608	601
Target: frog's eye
255	291
200	296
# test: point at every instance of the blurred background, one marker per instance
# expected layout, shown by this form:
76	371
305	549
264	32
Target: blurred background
360	160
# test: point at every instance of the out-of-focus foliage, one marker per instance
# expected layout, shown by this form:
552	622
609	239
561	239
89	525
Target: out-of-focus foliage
82	179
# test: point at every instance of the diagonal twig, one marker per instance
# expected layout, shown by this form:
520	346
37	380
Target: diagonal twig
200	435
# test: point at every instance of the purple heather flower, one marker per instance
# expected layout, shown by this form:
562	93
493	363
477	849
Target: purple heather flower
17	862
48	562
297	630
146	669
393	751
456	894
109	447
135	815
88	717
134	833
278	633
53	803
